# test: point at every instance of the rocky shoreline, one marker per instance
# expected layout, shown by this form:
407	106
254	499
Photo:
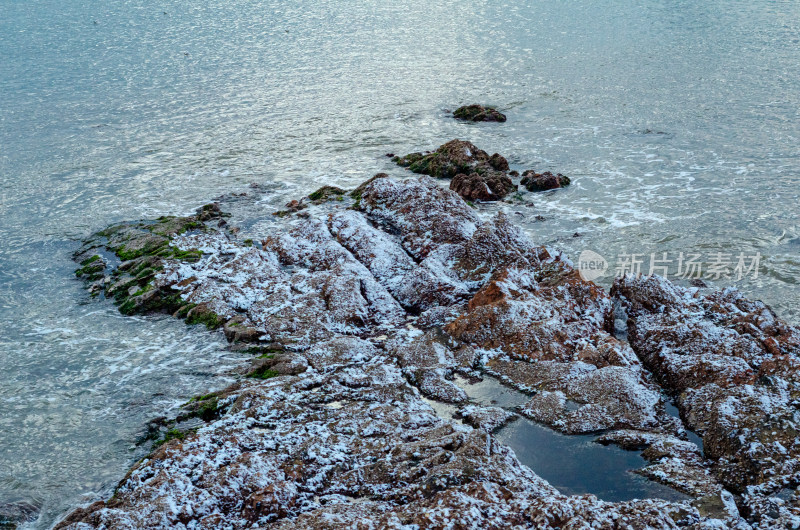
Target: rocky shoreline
363	307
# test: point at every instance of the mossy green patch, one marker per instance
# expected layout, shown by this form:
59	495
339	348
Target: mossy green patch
209	409
141	247
146	288
263	373
172	434
147	272
409	159
191	255
170	225
203	397
326	193
128	307
184	310
210	319
205	407
92	259
91	271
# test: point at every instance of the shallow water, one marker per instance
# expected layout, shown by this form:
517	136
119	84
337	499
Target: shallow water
692	436
677	121
573	464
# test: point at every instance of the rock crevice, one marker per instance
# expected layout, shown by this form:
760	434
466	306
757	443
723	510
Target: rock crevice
361	307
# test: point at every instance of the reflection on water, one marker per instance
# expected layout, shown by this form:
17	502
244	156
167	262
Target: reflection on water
574	464
693	437
131	108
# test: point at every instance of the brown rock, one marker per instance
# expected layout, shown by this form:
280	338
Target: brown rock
452	158
478	113
728	359
543	181
488	186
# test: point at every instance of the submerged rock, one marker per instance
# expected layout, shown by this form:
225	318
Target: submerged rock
478	113
13	514
543	181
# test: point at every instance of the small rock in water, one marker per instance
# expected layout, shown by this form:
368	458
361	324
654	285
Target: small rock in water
543	181
478	113
452	158
487	186
295	205
13	514
325	193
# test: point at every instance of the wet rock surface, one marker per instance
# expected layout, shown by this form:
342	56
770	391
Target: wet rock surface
534	181
490	186
362	305
475	175
478	113
733	366
453	158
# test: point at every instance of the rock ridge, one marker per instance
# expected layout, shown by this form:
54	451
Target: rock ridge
366	304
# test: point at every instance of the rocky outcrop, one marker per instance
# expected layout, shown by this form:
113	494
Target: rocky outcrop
452	158
733	366
478	113
475	175
350	443
122	261
543	181
362	308
489	186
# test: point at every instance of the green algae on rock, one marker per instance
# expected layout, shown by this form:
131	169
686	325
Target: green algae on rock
478	113
121	261
326	193
452	158
360	312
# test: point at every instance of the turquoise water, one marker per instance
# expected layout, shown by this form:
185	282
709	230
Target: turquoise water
678	122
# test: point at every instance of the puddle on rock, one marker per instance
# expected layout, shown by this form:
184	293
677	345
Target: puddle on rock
693	437
574	464
489	392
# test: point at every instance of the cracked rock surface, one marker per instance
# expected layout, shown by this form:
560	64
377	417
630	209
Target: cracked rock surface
364	306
